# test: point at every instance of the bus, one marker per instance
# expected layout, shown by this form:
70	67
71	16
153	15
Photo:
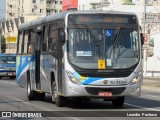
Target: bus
8	66
81	55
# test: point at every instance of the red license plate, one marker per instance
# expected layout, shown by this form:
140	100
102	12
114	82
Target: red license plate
9	73
105	94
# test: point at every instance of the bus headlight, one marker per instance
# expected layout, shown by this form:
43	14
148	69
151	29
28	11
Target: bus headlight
72	78
134	80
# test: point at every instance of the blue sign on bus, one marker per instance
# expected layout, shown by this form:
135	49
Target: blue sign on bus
108	33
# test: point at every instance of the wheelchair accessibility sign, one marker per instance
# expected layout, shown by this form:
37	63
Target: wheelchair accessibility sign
108	33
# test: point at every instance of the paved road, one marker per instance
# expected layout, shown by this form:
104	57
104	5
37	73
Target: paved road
13	98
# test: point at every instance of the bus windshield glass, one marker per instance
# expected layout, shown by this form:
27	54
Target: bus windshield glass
117	47
7	59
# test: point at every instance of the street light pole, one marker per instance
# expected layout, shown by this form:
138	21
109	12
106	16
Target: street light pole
144	47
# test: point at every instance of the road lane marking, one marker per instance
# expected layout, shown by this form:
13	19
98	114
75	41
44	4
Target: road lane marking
8	83
28	103
141	107
151	96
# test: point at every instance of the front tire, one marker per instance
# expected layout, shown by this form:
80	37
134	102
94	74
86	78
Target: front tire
118	102
57	99
30	93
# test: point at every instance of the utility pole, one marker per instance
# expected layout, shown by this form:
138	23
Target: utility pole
145	49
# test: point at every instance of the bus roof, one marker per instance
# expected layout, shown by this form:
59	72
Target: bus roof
62	15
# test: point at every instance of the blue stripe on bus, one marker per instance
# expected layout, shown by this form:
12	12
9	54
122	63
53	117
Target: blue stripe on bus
22	63
86	80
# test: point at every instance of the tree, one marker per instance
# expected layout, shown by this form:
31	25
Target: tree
3	44
128	2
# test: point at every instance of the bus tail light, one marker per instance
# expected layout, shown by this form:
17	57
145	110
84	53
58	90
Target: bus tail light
72	78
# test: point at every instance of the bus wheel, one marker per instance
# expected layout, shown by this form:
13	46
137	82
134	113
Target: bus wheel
41	96
118	102
30	93
58	100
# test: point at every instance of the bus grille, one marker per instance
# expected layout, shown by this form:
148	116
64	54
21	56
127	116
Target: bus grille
105	75
95	91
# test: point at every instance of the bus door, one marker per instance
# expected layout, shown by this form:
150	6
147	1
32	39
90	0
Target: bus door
60	59
39	34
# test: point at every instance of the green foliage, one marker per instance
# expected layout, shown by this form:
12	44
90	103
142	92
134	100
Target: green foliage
128	2
3	44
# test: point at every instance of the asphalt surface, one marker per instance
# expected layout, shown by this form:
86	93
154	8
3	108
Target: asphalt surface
13	98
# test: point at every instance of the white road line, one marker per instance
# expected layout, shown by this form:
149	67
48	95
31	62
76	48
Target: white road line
153	96
35	105
8	83
141	107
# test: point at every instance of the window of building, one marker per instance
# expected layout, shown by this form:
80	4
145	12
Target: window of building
41	10
48	2
33	10
41	1
34	1
56	2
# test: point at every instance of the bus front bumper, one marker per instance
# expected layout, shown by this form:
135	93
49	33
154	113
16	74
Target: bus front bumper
73	90
7	74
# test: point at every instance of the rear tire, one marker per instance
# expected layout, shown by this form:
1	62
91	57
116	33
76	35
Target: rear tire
118	102
41	96
32	95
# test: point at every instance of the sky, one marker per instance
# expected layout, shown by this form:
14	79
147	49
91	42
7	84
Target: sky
2	8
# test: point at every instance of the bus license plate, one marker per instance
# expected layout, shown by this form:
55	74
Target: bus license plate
9	73
105	94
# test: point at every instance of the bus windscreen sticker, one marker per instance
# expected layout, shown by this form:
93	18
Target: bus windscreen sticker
109	62
83	53
108	33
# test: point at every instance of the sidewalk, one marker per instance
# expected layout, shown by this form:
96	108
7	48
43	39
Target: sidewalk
152	83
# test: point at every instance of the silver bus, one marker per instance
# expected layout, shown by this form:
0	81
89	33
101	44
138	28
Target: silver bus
81	55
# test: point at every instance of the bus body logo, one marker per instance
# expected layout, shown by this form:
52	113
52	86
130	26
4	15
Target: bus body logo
105	81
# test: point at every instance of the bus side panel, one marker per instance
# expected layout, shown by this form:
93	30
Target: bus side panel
22	66
48	64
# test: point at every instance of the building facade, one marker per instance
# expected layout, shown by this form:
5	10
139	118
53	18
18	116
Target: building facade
16	12
53	6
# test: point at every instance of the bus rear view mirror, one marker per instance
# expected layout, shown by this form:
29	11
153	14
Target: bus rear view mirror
62	37
142	38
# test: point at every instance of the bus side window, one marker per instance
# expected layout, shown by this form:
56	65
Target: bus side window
20	40
45	39
31	46
53	36
26	41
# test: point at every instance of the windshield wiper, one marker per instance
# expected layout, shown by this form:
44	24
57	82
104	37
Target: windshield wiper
95	40
115	41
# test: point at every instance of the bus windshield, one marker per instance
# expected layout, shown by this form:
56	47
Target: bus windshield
8	59
117	47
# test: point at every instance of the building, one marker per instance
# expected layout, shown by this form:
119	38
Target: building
53	6
16	12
